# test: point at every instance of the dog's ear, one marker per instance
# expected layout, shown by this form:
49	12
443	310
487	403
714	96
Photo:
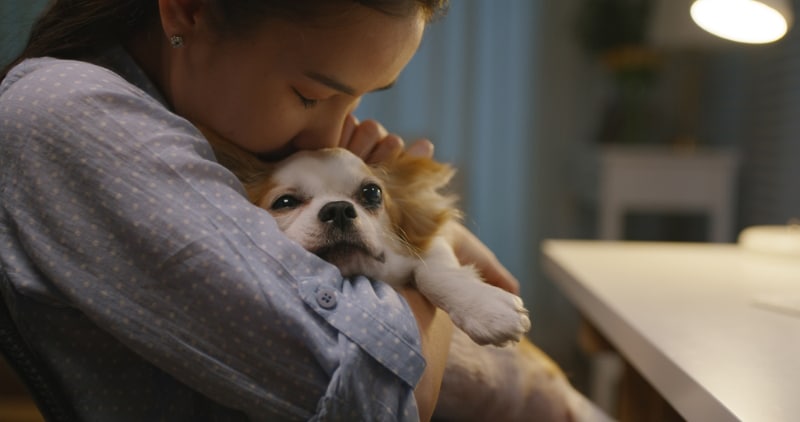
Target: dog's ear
248	168
415	202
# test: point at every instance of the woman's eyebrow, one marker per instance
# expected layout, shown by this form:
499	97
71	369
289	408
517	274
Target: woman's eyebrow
340	86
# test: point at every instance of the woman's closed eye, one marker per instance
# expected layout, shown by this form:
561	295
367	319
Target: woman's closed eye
307	102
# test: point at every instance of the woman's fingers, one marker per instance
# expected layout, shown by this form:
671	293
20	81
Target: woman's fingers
365	136
390	147
374	144
349	127
421	148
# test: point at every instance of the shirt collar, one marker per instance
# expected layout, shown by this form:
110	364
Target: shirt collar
120	61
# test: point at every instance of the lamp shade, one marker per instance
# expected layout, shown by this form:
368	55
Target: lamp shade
746	21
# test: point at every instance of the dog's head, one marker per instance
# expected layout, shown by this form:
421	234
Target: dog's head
344	211
333	205
353	215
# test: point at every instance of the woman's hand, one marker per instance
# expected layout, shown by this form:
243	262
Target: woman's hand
373	143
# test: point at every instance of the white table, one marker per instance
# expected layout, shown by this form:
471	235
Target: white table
685	316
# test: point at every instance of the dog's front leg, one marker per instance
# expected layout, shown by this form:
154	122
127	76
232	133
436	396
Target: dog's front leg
488	314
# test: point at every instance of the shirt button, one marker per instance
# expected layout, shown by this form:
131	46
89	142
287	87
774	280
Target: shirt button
326	297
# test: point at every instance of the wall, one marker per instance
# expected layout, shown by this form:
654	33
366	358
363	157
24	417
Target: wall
771	134
16	16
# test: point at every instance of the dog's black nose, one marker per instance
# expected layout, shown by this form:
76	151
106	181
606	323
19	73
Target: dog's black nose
339	213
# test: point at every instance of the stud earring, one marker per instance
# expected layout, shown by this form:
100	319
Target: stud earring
176	41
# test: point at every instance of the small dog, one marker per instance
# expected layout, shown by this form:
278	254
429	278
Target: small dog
388	222
385	222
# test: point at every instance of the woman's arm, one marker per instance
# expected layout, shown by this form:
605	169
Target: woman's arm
436	331
121	212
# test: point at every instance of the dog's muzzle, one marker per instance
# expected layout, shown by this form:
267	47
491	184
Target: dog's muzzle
341	240
340	214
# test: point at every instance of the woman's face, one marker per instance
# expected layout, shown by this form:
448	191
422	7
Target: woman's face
288	87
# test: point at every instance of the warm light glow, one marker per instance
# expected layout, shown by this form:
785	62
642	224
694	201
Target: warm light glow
746	21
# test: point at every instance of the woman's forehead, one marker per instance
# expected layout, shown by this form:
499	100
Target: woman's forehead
366	54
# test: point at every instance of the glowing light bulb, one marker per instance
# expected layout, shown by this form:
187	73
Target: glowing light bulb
746	21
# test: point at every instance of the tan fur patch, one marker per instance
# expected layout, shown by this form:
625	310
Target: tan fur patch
415	203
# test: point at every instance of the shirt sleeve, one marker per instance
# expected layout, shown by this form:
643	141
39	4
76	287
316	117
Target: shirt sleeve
120	211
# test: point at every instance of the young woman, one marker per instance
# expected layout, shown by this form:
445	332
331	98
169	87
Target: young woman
131	260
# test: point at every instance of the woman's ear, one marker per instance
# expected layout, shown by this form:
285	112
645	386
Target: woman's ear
180	17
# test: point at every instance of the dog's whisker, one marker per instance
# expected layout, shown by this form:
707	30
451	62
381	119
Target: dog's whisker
400	236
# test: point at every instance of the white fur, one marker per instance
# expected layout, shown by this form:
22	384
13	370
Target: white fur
489	315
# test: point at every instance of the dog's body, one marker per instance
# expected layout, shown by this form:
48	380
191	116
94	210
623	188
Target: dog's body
388	223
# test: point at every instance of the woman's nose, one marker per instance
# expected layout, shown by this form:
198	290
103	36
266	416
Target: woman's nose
327	131
327	134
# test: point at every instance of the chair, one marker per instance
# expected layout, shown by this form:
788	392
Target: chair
663	180
35	374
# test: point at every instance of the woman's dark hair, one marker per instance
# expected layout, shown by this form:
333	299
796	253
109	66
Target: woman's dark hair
81	29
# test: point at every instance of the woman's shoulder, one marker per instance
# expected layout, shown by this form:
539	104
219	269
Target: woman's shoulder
62	84
54	97
39	75
75	101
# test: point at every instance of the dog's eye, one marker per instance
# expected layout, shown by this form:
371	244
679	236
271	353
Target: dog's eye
285	202
371	195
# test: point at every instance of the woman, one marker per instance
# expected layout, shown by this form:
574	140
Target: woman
132	261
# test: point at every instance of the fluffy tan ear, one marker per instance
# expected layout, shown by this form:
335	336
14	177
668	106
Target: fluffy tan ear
415	202
248	168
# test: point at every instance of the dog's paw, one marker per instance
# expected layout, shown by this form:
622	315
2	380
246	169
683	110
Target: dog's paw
492	316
